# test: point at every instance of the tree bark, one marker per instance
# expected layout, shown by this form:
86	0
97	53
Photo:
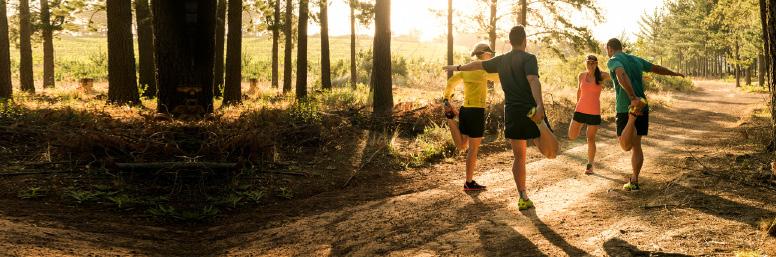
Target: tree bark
450	36
6	89
26	81
325	52
353	70
287	67
122	81
748	75
768	12
767	57
301	51
383	83
184	34
275	44
218	73
232	87
761	70
493	22
48	44
145	48
523	16
738	66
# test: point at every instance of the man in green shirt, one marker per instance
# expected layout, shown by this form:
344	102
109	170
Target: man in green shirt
632	108
518	72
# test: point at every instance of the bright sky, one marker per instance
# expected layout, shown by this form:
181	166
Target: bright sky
414	15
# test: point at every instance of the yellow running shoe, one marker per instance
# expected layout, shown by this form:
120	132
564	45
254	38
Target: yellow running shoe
524	204
637	110
630	186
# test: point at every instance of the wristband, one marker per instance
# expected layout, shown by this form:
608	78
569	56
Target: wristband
458	68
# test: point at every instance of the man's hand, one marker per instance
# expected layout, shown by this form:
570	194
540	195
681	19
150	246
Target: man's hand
636	106
451	68
539	115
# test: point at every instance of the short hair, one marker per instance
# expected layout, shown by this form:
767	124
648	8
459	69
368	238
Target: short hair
517	35
614	44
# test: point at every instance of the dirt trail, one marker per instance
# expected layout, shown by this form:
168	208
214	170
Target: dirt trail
424	212
575	214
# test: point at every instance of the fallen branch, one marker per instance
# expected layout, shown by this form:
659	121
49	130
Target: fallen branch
361	167
36	173
176	165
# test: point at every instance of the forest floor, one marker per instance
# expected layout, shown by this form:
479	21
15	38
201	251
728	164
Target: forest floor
706	190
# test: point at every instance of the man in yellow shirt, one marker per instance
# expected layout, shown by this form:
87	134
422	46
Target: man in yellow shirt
470	128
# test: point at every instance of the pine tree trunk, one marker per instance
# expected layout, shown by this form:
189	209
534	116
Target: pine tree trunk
768	12
767	57
145	48
523	17
122	81
325	53
301	51
48	44
232	87
353	70
218	74
383	83
275	44
450	36
738	67
6	90
26	81
748	75
287	66
185	35
492	26
761	70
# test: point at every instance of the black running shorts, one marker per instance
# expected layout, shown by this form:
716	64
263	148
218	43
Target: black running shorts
642	123
471	121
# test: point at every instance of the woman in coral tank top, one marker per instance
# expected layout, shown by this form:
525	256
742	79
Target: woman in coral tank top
588	111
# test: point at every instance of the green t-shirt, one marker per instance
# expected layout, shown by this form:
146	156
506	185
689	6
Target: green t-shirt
513	69
635	67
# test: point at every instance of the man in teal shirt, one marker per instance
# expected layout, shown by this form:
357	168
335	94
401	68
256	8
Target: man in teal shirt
632	109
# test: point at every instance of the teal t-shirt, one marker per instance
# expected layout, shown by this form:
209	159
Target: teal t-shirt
635	67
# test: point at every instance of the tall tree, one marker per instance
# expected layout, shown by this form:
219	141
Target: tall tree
275	42
492	23
232	89
26	80
289	46
218	82
47	30
765	56
450	36
769	29
301	50
381	64
353	70
145	48
522	17
184	32
6	90
325	52
122	82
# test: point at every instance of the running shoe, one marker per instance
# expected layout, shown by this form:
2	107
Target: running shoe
523	204
589	169
631	186
637	110
449	110
473	186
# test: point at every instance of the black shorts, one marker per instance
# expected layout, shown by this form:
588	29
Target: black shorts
518	125
588	119
642	123
471	121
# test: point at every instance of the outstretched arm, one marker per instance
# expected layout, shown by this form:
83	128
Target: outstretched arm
660	70
472	66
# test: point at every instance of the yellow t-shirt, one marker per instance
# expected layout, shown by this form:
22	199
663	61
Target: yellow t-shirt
475	87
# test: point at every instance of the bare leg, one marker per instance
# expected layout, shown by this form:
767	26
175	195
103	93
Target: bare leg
458	139
637	159
591	147
574	129
546	142
518	166
471	157
628	134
